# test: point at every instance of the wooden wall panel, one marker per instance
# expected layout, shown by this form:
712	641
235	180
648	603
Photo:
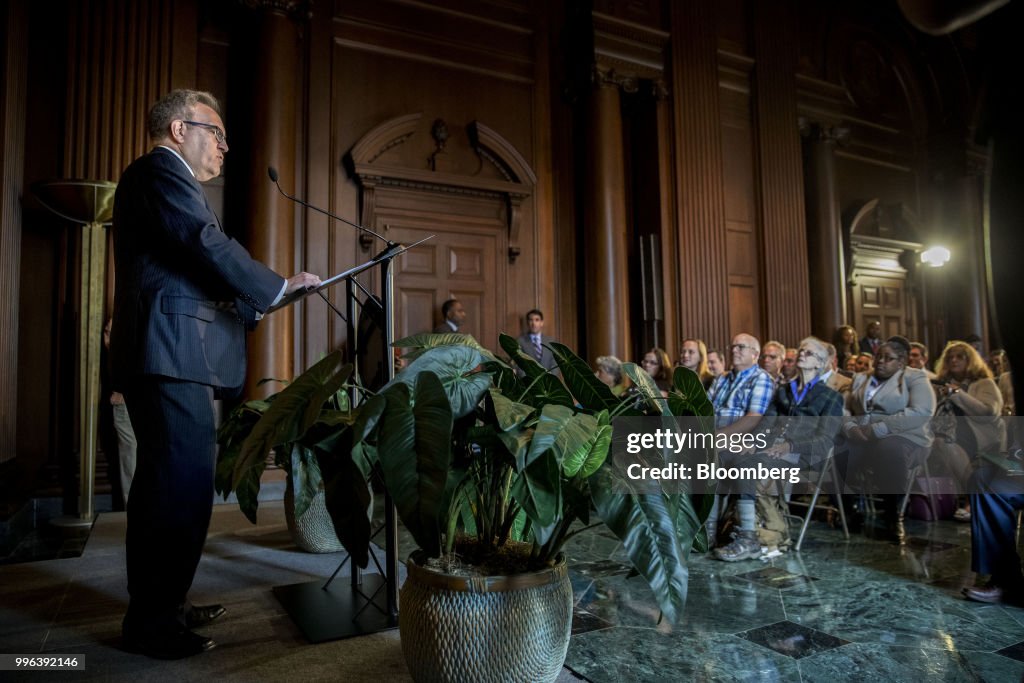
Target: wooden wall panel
14	62
373	81
703	284
741	209
123	55
780	170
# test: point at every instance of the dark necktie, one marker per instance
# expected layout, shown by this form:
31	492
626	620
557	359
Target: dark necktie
538	351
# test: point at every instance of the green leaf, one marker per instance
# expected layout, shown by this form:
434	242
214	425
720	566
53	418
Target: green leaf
538	491
552	420
649	526
505	379
417	344
646	386
414	449
348	497
592	393
525	362
293	411
589	457
691	398
547	389
575	435
456	367
509	413
306	480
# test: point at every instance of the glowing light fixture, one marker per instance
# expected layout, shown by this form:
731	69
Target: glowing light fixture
935	256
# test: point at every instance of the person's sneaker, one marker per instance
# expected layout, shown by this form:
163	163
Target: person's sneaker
744	546
962	514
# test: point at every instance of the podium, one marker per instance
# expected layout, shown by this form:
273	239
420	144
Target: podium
324	611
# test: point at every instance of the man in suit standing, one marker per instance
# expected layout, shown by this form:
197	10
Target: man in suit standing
870	342
533	340
454	315
186	294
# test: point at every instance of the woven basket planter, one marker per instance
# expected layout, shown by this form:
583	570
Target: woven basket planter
314	531
498	628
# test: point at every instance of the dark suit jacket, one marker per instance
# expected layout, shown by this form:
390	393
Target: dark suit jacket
547	359
819	417
865	345
186	292
444	328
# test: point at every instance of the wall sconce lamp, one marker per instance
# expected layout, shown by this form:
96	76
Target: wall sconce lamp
936	256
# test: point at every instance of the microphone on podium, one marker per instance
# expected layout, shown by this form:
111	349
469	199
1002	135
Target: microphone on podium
272	172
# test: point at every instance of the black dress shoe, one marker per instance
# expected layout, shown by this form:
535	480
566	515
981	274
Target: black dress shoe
173	645
201	615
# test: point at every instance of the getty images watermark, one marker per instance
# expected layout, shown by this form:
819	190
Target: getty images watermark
690	455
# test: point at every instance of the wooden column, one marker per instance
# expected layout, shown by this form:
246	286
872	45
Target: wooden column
703	279
12	141
786	302
269	217
825	258
605	228
974	302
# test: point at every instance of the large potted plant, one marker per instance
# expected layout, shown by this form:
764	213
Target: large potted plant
309	417
492	471
493	466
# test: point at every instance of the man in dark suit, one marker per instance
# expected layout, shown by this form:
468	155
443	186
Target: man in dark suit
454	315
870	342
186	294
533	341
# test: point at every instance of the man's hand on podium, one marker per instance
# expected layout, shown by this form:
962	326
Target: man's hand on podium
301	281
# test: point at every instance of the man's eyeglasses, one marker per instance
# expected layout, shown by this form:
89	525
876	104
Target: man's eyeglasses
217	132
740	347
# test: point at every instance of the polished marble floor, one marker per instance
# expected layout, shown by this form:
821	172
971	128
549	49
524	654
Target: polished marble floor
857	610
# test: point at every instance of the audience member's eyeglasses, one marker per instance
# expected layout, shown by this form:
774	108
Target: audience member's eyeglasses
217	132
740	347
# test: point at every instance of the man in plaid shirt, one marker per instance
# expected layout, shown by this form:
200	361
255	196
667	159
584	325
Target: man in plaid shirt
740	398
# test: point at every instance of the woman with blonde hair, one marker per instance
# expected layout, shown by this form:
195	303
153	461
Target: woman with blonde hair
967	419
693	355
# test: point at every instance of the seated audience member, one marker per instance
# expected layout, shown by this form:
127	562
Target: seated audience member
608	369
657	364
888	432
919	358
865	363
832	378
996	500
772	354
740	397
789	369
845	341
693	355
801	442
716	364
965	389
1000	365
850	367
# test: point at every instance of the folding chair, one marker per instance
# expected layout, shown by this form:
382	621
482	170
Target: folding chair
827	471
928	494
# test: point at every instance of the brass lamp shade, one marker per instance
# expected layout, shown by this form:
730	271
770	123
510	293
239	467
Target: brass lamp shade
79	201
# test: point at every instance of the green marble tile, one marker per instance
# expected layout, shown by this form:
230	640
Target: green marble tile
792	640
899	612
622	654
869	663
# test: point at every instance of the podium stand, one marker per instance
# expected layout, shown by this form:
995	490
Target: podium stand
367	604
